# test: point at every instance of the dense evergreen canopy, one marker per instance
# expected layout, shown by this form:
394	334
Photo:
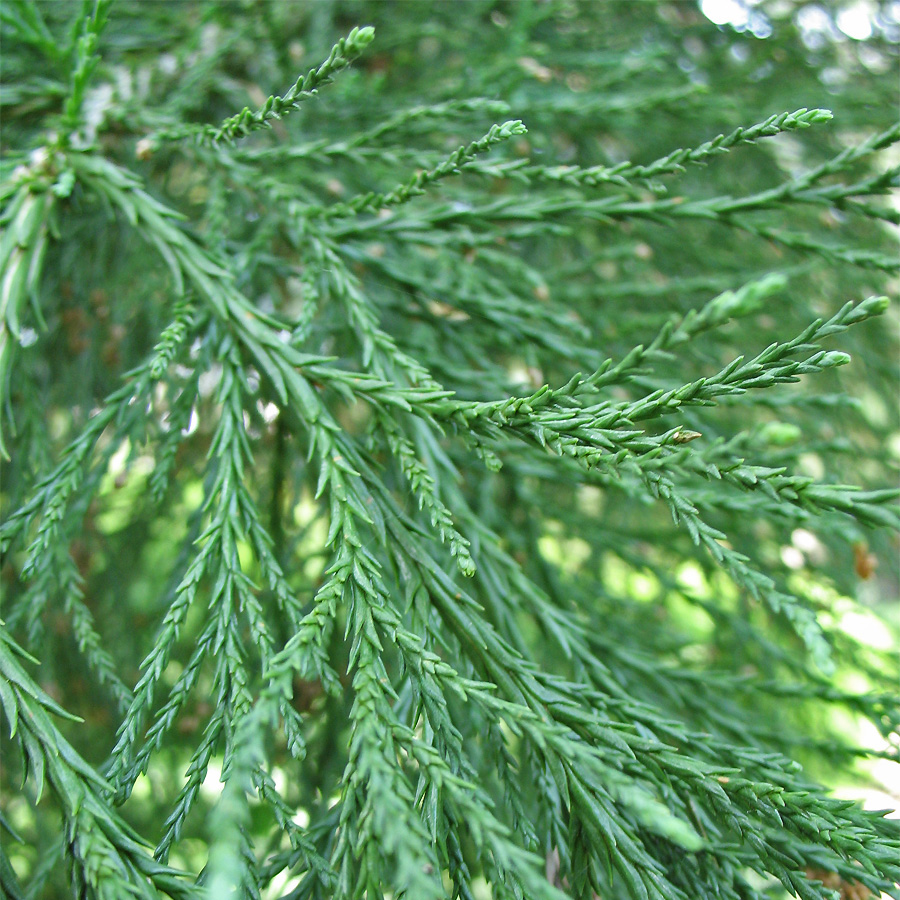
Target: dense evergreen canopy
469	472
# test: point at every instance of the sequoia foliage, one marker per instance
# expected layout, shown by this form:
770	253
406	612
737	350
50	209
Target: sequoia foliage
461	474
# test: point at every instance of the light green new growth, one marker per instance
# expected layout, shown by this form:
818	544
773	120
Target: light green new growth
306	86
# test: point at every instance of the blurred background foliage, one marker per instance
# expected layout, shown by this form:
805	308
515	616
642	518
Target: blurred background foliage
554	292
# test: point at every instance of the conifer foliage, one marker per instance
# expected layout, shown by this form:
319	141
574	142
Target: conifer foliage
454	475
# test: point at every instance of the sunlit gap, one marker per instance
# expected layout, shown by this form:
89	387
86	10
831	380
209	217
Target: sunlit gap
857	20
